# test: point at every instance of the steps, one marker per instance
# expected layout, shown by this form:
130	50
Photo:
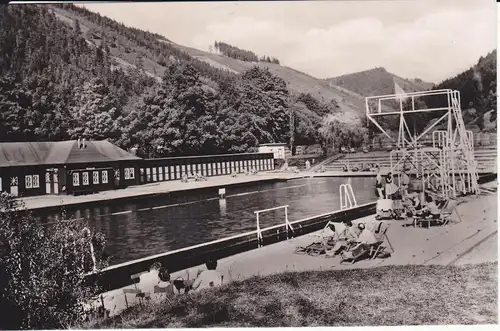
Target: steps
485	158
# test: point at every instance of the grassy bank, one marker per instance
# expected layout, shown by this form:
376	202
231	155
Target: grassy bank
393	295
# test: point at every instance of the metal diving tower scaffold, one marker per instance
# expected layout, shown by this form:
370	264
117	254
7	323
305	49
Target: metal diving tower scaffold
445	164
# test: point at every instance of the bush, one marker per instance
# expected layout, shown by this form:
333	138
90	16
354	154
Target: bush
42	270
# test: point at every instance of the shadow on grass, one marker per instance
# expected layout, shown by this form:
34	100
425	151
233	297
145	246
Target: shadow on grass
391	295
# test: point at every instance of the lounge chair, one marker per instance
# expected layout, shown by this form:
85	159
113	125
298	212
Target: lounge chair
369	250
444	215
321	245
136	291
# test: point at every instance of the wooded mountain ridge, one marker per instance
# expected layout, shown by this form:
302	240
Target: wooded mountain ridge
67	73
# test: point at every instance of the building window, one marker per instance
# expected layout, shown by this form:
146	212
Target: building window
95	177
104	176
131	173
36	181
27	181
160	173
76	179
85	178
126	173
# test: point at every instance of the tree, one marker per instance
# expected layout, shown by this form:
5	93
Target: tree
95	113
42	268
340	134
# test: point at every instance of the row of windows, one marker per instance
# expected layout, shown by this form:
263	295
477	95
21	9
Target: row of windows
211	169
86	177
129	173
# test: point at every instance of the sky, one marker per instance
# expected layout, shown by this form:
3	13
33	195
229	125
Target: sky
431	40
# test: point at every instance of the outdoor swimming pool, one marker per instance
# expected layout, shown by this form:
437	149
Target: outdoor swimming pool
145	227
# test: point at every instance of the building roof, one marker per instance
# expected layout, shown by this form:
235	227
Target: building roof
60	152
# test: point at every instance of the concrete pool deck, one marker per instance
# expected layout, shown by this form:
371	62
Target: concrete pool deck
473	240
158	188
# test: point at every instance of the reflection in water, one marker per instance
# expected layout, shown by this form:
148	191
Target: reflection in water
146	227
223	207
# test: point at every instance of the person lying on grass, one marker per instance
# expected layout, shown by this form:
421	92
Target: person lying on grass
208	278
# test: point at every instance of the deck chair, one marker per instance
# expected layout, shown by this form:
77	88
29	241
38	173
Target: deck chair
444	215
136	291
372	250
319	245
419	220
380	234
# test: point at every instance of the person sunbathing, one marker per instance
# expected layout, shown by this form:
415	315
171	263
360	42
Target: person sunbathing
208	278
164	288
148	280
345	238
361	245
430	210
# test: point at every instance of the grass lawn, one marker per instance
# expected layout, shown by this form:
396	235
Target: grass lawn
392	295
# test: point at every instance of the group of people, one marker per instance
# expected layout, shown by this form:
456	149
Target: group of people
156	284
349	240
197	177
385	188
414	204
359	167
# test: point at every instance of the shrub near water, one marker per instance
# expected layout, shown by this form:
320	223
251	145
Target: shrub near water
393	295
42	268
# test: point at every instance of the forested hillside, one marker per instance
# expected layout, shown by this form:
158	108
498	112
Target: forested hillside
377	81
241	54
66	73
478	87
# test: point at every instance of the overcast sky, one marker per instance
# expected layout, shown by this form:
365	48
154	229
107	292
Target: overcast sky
432	40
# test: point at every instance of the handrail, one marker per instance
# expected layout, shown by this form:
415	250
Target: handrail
259	232
347	198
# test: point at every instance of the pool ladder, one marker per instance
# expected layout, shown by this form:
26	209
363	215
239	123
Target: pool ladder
347	198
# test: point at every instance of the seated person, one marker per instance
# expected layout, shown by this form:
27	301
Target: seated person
351	232
208	278
164	288
430	210
148	280
329	233
362	245
416	207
